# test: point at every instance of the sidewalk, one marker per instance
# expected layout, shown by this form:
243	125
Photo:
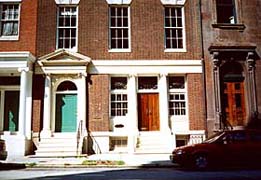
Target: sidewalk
130	160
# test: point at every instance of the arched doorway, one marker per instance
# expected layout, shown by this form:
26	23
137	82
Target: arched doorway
233	94
66	107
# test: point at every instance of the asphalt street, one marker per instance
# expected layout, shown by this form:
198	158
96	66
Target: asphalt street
128	174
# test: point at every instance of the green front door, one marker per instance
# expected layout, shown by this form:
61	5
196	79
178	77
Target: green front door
11	111
66	113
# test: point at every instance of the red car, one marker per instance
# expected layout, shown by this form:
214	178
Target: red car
224	148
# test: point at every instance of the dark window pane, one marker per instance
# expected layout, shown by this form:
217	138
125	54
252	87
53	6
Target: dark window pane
125	43
73	21
113	43
113	22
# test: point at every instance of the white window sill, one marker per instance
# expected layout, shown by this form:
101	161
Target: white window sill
9	38
67	49
174	50
119	50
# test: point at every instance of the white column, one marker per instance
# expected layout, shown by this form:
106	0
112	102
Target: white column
22	101
28	112
81	107
132	113
163	103
46	132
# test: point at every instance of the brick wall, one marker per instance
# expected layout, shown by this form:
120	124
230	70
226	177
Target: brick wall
98	103
46	27
27	29
147	30
196	102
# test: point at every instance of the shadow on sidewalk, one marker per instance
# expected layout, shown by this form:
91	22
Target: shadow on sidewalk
11	166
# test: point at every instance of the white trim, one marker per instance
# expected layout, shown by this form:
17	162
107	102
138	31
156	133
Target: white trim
120	50
10	62
67	2
145	67
184	49
173	2
17	55
118	1
75	49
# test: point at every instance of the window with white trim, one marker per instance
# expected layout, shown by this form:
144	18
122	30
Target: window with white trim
9	22
177	96
119	28
174	28
119	97
67	27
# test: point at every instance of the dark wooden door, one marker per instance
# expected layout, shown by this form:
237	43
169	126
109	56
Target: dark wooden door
148	106
234	103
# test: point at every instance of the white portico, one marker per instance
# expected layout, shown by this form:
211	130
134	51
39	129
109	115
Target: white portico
16	101
64	113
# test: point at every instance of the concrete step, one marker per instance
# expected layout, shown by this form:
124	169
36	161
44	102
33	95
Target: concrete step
59	145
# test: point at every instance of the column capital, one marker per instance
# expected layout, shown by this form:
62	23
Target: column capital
163	74
23	69
250	61
216	60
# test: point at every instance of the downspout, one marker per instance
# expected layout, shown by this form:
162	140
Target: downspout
203	65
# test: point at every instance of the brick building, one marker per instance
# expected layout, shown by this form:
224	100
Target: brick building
101	76
18	20
231	35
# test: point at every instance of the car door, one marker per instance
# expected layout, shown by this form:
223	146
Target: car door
237	147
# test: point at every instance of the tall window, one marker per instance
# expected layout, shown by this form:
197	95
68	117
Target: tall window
177	96
226	12
174	28
9	21
119	97
119	28
67	27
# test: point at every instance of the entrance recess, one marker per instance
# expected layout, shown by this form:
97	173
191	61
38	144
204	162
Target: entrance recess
11	111
233	96
148	105
66	107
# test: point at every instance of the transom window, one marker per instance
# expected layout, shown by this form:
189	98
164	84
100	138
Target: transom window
226	12
174	28
177	95
119	28
119	97
9	20
148	83
67	27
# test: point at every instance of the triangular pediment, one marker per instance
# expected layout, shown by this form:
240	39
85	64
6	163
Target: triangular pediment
63	57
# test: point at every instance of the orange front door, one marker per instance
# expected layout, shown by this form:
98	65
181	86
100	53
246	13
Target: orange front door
148	105
234	103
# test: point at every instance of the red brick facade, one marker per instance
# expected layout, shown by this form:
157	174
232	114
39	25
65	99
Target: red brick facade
98	103
196	102
27	29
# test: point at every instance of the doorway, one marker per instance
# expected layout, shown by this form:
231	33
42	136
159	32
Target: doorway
66	107
233	94
148	111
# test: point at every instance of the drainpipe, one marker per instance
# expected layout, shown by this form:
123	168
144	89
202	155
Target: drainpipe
203	64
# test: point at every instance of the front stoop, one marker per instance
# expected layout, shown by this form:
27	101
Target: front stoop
59	145
153	143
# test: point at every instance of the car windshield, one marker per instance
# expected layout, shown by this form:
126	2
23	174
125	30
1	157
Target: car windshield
213	138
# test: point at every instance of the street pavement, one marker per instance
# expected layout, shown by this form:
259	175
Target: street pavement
130	160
